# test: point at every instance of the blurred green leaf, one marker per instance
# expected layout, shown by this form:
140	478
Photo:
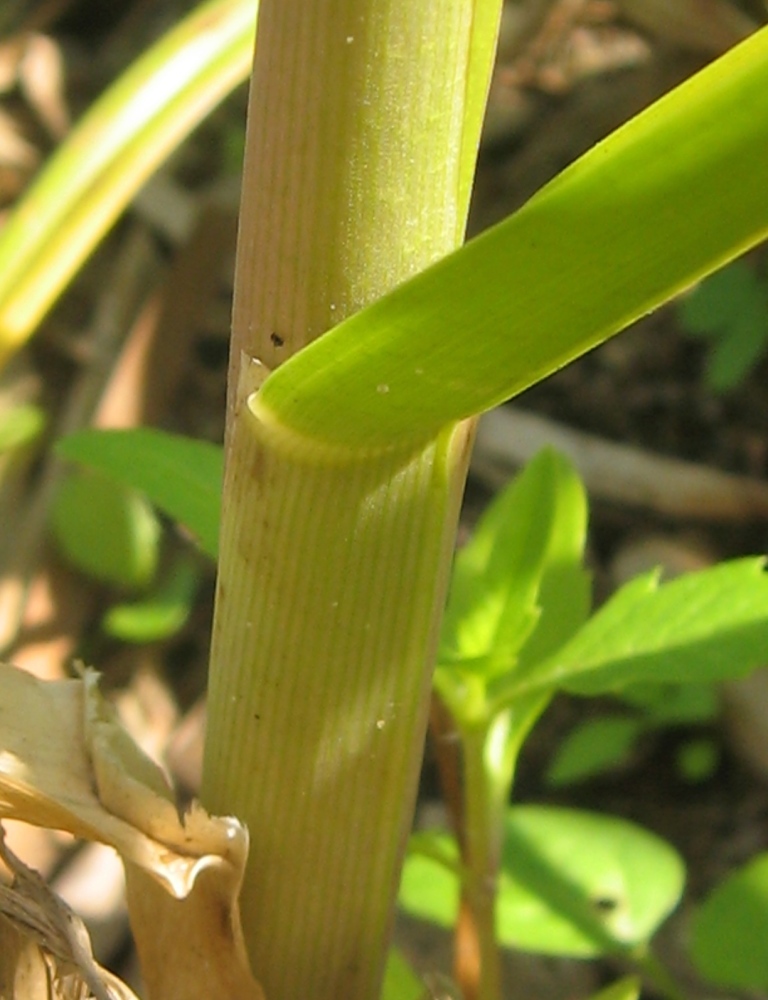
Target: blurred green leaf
106	530
674	704
593	747
429	889
581	884
162	613
730	309
180	475
696	760
400	981
20	425
730	930
572	883
627	988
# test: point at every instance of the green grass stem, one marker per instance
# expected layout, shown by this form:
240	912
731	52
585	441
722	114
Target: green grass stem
364	117
669	197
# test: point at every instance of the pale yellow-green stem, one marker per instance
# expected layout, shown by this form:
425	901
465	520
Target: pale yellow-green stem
334	562
361	122
324	634
489	756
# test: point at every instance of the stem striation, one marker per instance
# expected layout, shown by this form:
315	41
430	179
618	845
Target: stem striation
334	562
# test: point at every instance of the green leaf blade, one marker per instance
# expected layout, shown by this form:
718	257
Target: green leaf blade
492	605
106	530
627	988
730	929
707	626
111	152
518	590
572	883
161	613
668	198
596	746
582	884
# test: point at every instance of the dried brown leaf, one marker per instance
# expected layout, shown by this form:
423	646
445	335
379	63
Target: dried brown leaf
24	972
39	915
66	763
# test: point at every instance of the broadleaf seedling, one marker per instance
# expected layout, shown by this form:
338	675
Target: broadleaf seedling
729	310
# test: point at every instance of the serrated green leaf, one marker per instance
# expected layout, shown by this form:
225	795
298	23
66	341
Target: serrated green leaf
106	530
581	884
180	475
731	927
565	592
593	747
565	599
706	626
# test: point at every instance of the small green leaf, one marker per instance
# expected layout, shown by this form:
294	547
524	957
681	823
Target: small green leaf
491	607
731	927
594	747
730	308
400	981
106	530
531	538
703	627
429	889
20	425
161	614
581	884
697	760
674	704
565	592
724	296
572	883
180	475
627	988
